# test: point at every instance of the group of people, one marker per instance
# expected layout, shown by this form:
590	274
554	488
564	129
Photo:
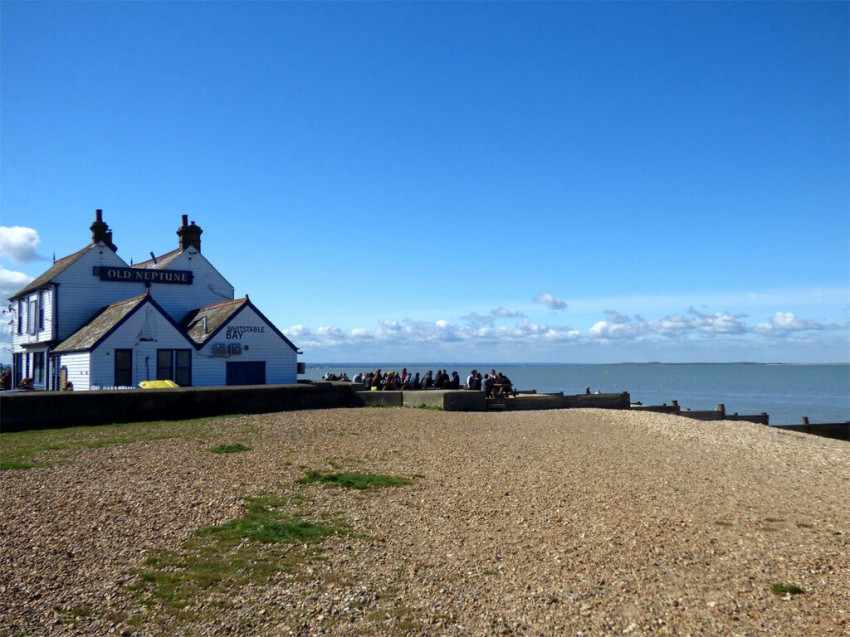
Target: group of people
492	384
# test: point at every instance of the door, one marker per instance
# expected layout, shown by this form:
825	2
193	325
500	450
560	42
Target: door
246	373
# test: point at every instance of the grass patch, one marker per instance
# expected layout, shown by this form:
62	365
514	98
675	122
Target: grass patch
234	448
20	449
354	480
12	465
264	522
274	535
786	589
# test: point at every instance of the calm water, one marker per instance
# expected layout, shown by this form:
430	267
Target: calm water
786	392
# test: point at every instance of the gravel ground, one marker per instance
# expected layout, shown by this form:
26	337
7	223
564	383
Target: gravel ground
573	522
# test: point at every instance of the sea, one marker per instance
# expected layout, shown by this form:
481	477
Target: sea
786	392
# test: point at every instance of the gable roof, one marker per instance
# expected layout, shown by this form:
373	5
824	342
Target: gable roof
52	272
106	321
203	324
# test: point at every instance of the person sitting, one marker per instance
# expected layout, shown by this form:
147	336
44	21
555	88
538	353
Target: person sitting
487	385
454	383
476	382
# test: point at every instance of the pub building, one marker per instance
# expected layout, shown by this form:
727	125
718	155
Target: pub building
92	321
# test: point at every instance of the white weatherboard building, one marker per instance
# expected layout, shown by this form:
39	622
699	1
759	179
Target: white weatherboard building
95	321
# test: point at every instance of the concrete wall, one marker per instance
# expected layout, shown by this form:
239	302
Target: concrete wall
43	410
447	400
377	398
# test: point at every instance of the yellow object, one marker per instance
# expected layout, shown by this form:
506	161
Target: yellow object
158	384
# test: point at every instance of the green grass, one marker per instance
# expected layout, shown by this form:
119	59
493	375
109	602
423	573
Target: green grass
234	448
786	589
10	465
354	480
20	450
275	534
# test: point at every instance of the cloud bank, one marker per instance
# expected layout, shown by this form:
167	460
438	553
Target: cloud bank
507	331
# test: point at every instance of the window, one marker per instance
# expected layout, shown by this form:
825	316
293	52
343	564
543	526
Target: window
38	368
41	297
124	367
163	364
20	317
31	316
183	367
174	364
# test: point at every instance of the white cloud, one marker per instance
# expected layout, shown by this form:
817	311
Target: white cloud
718	323
11	282
782	323
552	302
619	326
691	331
18	244
491	317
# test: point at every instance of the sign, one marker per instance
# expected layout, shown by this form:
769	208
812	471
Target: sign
138	275
236	331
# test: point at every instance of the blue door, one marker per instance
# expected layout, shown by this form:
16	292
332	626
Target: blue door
246	373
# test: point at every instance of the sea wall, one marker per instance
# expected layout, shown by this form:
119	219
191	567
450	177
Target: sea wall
44	410
836	430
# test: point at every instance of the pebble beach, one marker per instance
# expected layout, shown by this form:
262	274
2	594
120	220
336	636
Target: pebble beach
566	522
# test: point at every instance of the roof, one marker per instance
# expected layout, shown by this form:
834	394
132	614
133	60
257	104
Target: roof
52	272
200	330
158	263
101	325
218	316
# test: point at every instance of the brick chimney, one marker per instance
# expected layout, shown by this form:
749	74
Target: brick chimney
190	235
101	232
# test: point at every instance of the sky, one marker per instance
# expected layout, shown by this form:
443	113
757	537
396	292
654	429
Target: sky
570	182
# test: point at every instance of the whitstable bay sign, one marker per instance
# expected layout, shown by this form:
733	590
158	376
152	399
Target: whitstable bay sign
137	275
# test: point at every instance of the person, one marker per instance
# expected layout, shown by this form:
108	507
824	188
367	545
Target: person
417	384
476	382
358	377
403	375
488	385
455	381
391	381
376	379
470	379
428	381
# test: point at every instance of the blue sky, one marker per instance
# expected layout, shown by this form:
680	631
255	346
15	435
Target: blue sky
510	182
